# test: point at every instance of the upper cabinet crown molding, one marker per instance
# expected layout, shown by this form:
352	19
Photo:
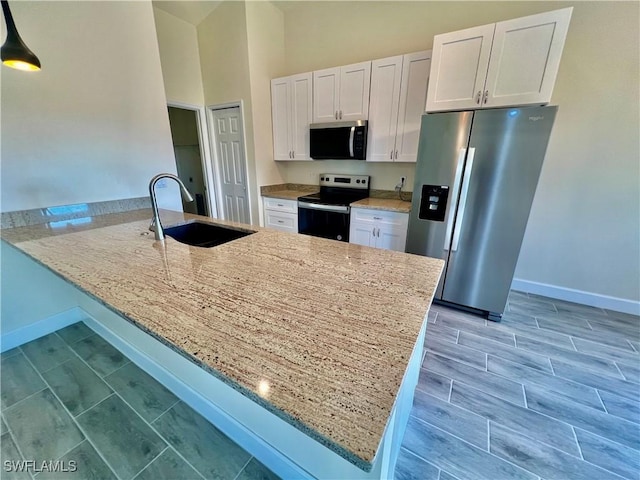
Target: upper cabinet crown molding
341	93
514	62
398	94
291	110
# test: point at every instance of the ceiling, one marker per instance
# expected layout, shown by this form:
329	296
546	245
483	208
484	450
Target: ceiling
188	10
195	11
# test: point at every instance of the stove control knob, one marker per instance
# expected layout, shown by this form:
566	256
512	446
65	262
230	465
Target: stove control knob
364	181
357	181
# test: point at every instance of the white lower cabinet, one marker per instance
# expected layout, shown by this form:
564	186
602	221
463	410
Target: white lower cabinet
378	228
281	214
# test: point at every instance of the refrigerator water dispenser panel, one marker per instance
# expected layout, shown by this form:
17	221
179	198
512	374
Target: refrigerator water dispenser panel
433	202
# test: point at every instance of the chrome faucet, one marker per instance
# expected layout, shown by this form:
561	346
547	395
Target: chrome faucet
156	226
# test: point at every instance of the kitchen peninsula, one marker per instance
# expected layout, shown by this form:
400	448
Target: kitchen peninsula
324	336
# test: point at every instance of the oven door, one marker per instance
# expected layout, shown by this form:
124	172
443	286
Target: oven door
326	221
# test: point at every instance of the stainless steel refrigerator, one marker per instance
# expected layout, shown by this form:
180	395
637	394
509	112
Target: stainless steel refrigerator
476	176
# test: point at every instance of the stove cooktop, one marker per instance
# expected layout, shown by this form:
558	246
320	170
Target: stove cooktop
333	198
337	189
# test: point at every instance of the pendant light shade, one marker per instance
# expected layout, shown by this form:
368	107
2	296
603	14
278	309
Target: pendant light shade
14	52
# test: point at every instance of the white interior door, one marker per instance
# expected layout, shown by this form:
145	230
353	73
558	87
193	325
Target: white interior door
229	142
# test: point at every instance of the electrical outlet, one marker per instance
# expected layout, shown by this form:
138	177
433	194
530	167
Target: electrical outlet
403	180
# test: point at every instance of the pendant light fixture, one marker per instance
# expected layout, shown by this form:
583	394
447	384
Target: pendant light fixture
14	52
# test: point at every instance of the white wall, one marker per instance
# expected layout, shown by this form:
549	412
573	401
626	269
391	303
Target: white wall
180	59
265	45
222	40
584	230
92	125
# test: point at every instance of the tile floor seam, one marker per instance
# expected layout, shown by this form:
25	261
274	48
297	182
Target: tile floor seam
591	371
577	364
573	344
15	444
152	460
622	374
497	422
562	451
575	436
75	422
488	435
165	411
471	444
26	398
632	347
602	402
450	391
243	467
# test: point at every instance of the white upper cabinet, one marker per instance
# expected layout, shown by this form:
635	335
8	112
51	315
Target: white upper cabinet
398	94
291	115
514	62
341	93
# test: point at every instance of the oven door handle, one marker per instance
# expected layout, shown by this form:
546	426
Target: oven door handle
328	208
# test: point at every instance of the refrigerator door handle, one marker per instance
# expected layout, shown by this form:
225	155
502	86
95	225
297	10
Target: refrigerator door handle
454	195
463	200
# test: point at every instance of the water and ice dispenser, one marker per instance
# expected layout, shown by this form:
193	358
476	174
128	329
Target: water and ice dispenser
433	202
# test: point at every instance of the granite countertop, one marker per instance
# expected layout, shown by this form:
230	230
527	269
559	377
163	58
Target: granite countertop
385	202
389	204
328	327
286	194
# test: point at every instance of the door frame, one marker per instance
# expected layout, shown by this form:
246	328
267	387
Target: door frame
216	160
204	142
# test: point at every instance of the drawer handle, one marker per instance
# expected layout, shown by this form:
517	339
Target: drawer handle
280	205
377	218
280	221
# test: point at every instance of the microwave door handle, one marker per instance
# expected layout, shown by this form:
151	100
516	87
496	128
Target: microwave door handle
351	139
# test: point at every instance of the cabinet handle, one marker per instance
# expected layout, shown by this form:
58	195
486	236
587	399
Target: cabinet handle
289	153
377	218
486	96
293	154
378	233
280	205
340	114
396	154
478	97
280	221
336	114
391	155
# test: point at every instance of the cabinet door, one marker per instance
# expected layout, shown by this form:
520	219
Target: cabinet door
383	108
280	117
525	58
459	68
389	239
361	234
301	102
326	88
355	82
413	94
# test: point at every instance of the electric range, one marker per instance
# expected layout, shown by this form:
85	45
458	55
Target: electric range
327	213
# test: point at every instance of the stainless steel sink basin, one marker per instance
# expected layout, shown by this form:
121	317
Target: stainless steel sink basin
201	234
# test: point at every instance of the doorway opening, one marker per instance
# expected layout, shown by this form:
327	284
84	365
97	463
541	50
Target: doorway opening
187	135
227	127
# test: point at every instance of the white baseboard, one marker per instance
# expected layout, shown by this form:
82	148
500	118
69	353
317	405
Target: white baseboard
25	334
577	296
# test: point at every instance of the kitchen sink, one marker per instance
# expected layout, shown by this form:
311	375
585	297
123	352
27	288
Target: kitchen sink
205	235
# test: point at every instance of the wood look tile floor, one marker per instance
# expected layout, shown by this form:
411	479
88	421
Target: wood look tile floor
551	392
71	396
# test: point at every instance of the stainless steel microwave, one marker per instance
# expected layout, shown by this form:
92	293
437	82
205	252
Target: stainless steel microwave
338	140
